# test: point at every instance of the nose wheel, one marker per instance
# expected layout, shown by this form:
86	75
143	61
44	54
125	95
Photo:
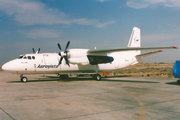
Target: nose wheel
23	79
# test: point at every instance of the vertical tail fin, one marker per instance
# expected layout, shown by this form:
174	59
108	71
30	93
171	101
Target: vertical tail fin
135	39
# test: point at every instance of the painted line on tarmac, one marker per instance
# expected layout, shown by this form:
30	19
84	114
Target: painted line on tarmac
7	113
142	107
94	80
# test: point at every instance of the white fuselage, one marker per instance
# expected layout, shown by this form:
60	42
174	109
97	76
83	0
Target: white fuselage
47	63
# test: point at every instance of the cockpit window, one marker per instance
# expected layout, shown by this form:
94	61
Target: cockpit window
20	57
29	57
26	57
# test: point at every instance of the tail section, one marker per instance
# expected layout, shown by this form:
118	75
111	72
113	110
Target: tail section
135	39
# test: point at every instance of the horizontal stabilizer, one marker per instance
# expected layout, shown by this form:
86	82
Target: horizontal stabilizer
147	54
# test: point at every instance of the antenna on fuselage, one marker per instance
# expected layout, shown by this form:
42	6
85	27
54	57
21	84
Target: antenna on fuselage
36	51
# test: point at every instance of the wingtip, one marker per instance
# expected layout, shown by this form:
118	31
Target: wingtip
174	47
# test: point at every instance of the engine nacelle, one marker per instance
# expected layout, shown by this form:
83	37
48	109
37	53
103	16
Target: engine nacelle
77	53
82	61
78	56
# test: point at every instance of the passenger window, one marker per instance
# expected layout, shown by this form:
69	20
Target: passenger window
29	57
33	57
24	57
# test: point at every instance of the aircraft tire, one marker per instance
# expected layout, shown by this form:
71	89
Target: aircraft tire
96	77
24	79
64	76
178	82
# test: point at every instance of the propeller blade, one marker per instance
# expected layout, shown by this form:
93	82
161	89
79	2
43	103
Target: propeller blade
60	61
67	46
33	50
39	50
67	62
59	46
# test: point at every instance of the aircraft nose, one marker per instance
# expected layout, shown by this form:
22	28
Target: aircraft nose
12	66
5	67
9	66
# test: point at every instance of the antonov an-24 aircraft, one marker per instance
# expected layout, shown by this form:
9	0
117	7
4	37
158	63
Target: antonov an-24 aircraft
80	60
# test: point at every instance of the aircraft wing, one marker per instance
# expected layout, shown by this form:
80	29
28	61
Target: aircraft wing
104	51
147	54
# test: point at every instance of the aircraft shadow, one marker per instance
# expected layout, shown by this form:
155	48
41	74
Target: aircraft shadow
132	81
84	78
34	80
172	83
88	78
118	76
54	78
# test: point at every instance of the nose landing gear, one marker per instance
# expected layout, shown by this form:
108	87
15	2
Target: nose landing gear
23	79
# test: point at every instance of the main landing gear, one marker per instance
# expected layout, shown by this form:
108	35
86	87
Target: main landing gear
96	76
63	76
23	79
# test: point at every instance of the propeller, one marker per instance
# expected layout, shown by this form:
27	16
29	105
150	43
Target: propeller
33	50
37	51
63	54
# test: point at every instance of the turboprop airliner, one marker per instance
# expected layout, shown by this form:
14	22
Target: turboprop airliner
72	61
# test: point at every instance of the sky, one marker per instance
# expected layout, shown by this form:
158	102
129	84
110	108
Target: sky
103	24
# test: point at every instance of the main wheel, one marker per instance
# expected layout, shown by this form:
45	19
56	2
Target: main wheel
178	82
64	76
24	79
96	77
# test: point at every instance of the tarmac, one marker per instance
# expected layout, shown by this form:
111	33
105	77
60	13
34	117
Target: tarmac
81	98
